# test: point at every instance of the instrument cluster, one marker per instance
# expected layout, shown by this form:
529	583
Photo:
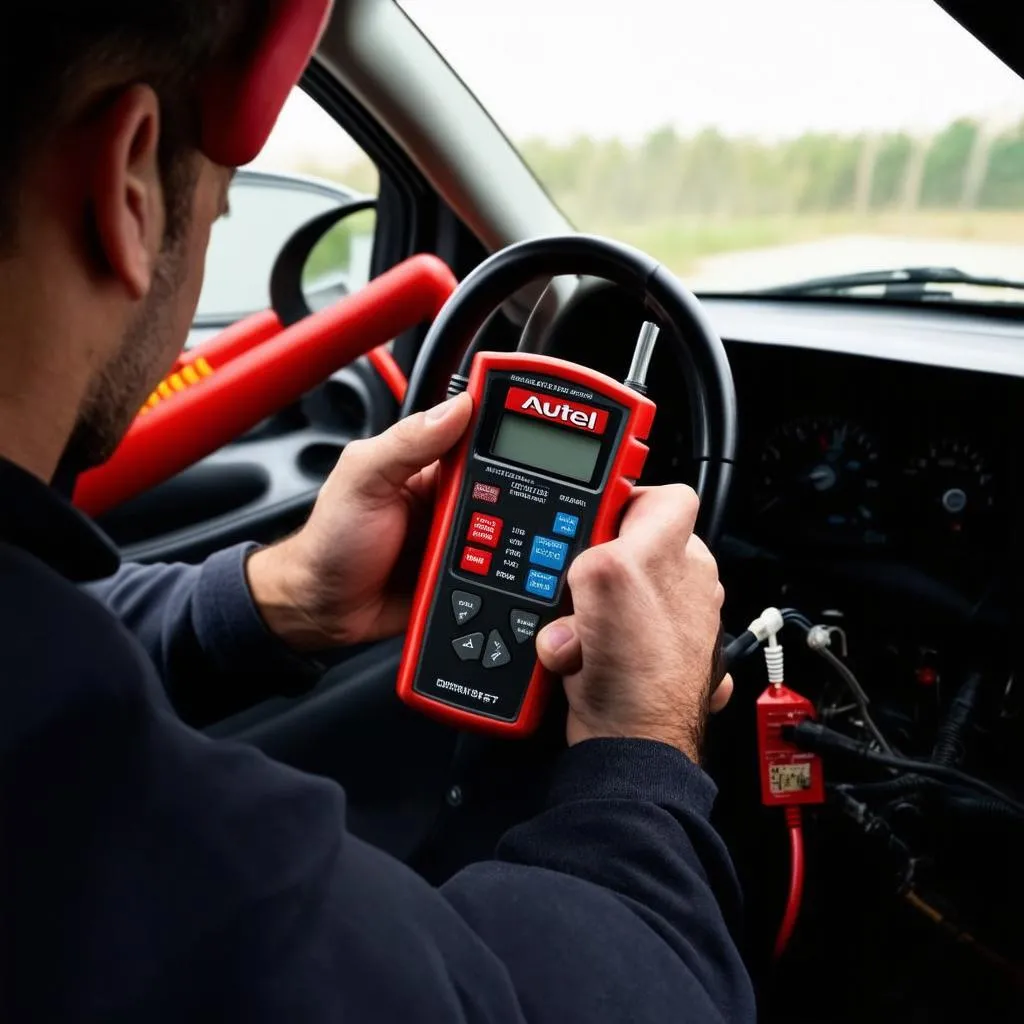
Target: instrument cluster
831	480
854	455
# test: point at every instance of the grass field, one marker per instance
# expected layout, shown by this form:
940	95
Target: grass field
681	243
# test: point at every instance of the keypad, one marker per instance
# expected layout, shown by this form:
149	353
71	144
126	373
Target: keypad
476	561
496	653
523	624
549	553
525	553
469	647
522	553
486	492
484	529
565	525
541	584
465	606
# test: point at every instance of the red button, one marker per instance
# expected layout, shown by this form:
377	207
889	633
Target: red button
484	529
486	492
475	560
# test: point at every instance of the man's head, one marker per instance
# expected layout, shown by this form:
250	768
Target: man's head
119	121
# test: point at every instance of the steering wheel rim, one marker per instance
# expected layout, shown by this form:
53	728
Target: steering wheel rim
704	363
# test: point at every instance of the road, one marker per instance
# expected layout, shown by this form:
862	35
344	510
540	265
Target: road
761	268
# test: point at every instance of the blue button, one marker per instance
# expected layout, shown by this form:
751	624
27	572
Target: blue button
565	524
541	584
549	553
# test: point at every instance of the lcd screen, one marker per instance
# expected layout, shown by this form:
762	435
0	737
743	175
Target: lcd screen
558	450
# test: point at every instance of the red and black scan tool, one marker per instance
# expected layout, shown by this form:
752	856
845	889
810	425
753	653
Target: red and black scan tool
543	473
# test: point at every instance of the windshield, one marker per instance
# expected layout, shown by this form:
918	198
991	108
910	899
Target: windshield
754	143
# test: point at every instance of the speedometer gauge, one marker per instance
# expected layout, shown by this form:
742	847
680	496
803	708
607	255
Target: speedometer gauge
950	488
819	480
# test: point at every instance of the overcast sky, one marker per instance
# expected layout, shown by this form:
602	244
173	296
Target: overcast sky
557	68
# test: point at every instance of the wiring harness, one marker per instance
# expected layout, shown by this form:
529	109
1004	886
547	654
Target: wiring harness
793	743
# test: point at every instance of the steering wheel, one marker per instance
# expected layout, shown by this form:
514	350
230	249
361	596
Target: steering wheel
707	376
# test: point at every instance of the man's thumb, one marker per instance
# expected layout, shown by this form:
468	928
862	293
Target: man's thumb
379	466
558	647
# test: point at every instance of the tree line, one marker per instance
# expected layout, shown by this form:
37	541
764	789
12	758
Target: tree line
970	165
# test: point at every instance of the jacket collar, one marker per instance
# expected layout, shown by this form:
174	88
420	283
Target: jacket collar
39	520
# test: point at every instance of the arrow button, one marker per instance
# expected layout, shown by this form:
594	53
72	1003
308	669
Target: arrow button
524	624
465	606
468	647
496	653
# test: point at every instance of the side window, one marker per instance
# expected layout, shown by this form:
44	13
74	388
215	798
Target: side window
309	166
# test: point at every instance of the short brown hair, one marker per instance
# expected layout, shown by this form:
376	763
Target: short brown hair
52	52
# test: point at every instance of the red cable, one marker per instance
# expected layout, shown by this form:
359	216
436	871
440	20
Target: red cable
391	373
796	880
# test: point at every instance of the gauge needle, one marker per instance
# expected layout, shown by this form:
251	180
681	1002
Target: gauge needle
822	477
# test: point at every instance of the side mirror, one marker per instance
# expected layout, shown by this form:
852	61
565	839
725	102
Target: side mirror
323	261
266	211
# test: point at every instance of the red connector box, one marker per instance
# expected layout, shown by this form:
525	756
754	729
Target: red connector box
788	775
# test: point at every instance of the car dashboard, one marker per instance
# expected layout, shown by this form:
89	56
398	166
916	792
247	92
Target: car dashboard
879	490
846	456
882	443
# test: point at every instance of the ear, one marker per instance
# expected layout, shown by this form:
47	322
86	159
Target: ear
127	192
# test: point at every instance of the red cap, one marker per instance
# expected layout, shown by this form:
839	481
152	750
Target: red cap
241	105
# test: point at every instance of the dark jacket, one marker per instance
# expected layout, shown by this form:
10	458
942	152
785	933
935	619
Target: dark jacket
150	874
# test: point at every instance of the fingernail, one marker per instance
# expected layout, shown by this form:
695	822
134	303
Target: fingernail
438	412
556	637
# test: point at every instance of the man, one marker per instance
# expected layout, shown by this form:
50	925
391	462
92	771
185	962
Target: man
147	873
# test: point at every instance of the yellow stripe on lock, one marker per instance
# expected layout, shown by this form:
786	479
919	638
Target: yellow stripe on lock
182	378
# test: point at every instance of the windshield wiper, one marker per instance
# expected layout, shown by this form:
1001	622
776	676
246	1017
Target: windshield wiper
901	283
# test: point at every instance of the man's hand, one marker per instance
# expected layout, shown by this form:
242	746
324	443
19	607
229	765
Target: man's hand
347	576
638	654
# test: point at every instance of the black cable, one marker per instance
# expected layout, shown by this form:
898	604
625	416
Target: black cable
858	694
739	649
797	618
877	828
948	747
793	617
887	788
952	798
819	738
744	645
968	806
952	775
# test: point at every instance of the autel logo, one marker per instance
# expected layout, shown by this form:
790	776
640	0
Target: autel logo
544	407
